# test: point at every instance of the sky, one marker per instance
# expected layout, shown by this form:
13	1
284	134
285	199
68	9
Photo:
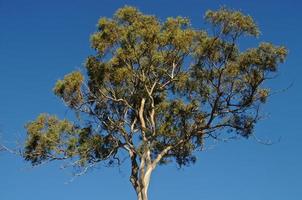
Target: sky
41	41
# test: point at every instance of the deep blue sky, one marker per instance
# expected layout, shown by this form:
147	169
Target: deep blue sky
41	40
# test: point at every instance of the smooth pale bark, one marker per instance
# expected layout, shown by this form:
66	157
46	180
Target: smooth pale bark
142	188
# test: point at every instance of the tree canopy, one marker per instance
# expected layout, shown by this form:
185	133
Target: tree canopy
158	91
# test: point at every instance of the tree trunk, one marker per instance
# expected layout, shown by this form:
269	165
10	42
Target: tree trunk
142	192
142	195
142	188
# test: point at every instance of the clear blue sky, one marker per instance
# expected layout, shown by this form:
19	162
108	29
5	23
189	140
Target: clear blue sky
41	40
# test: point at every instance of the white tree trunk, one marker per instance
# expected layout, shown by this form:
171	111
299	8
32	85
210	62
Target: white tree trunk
144	180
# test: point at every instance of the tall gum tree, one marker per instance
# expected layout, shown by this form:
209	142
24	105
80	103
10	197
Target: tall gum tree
157	91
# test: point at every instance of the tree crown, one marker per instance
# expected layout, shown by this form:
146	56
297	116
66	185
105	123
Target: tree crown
157	90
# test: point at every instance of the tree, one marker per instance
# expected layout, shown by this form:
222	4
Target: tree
157	91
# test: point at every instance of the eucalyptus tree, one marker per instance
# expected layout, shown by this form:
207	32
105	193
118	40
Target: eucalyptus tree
157	91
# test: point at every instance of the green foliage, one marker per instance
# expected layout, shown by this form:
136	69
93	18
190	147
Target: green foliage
52	139
154	86
232	22
48	136
69	89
